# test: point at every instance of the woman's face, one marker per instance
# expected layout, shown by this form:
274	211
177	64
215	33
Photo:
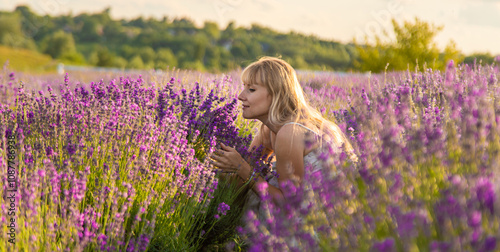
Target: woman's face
256	101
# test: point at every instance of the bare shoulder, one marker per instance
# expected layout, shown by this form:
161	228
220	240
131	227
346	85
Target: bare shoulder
290	152
290	136
290	130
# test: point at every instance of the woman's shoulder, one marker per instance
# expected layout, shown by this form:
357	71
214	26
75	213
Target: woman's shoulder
302	127
291	131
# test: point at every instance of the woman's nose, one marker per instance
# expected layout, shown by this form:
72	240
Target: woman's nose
241	96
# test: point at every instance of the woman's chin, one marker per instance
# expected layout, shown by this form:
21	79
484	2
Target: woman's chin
248	117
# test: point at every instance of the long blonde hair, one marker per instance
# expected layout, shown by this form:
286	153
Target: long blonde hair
288	101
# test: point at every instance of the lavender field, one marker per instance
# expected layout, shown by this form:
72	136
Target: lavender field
103	162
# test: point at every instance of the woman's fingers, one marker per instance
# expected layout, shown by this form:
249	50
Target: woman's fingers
219	152
224	167
227	171
225	147
217	163
215	157
217	160
224	158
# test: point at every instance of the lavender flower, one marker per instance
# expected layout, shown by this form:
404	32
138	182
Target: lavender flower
223	208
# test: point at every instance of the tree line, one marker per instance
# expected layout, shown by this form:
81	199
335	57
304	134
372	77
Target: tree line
140	43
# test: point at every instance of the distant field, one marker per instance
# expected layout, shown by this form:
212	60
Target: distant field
26	60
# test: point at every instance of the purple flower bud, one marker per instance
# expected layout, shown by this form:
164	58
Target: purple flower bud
223	208
485	193
474	219
386	245
490	243
450	64
439	246
41	173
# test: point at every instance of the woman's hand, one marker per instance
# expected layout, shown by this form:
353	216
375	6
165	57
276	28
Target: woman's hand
227	159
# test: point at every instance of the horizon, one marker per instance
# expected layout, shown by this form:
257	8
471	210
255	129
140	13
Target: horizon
473	26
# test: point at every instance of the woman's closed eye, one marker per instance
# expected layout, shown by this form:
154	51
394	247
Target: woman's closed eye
251	89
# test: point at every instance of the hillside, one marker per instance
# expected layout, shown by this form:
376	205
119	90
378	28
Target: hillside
26	60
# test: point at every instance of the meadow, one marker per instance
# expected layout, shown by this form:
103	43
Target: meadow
103	162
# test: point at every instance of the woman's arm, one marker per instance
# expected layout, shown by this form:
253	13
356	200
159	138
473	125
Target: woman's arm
289	162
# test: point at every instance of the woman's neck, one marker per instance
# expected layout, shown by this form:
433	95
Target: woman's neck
273	127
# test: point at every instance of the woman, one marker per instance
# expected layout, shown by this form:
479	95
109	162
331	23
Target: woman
290	129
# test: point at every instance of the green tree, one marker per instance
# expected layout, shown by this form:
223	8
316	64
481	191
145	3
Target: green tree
31	24
104	57
200	45
450	53
127	51
413	44
73	57
135	63
212	30
147	54
298	62
239	50
120	62
165	58
229	32
484	58
213	58
58	44
89	31
11	33
113	32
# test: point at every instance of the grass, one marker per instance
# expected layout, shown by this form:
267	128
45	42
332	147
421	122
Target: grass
26	60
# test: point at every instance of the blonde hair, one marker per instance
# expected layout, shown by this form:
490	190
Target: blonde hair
288	101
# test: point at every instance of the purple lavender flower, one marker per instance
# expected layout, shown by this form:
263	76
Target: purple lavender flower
223	208
386	245
490	244
437	246
474	219
485	193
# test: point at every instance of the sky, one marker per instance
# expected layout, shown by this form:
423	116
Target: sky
474	25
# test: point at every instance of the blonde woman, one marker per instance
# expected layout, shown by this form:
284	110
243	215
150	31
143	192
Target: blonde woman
273	95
